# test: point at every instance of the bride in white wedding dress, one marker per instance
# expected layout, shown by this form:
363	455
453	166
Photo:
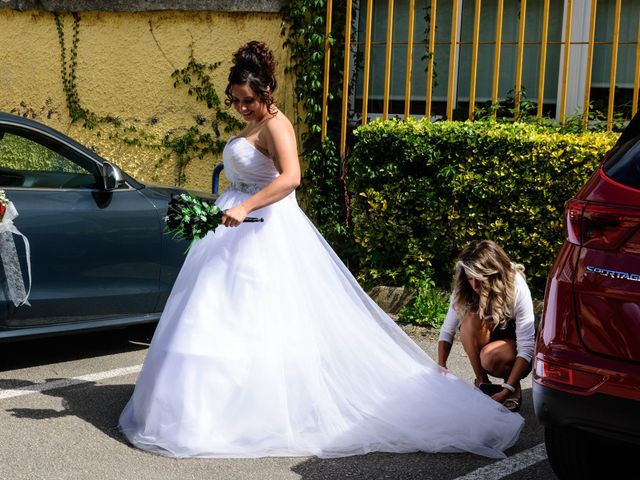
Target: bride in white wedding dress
269	347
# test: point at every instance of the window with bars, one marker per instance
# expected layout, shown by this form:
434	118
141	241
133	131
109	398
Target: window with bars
541	69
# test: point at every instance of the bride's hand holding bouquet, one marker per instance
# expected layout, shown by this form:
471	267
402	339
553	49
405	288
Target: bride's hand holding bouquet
191	218
234	216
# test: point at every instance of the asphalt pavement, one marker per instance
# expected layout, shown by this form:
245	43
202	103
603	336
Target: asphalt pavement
60	399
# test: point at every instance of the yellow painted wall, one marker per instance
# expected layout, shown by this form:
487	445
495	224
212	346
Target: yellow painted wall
125	61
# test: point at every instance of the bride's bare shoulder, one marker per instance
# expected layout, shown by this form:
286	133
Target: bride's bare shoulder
278	122
278	132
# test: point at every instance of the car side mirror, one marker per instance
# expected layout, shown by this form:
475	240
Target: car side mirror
112	176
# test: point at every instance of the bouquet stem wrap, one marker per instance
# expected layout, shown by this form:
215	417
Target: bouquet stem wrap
17	292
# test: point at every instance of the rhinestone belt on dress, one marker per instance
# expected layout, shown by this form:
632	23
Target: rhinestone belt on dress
243	187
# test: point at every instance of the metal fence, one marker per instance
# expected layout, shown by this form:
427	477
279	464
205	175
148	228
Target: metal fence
448	13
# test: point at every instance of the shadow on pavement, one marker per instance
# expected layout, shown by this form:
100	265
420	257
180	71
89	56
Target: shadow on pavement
388	466
98	405
42	351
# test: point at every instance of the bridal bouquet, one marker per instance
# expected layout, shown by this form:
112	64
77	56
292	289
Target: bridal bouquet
191	218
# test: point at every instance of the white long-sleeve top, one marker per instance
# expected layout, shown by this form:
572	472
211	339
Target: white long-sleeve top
522	312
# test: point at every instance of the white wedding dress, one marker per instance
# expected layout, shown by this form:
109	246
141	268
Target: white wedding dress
269	347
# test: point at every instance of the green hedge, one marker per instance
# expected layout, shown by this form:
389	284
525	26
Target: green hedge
420	191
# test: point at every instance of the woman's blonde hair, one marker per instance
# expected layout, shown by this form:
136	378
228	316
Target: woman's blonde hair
487	262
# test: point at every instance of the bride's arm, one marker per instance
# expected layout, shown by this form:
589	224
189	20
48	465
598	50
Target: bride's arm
281	143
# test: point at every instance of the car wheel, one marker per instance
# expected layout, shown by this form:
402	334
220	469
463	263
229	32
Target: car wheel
576	453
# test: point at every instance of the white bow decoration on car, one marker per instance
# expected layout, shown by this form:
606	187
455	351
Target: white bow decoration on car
16	290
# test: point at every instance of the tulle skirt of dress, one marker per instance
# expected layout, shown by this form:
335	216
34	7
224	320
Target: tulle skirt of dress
269	347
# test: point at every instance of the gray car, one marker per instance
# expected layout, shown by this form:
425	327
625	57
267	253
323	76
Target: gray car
100	253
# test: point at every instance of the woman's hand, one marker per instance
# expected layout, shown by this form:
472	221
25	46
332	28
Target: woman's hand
501	396
478	381
444	348
234	216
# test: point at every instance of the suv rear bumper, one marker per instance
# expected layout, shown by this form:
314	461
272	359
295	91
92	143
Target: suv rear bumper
605	415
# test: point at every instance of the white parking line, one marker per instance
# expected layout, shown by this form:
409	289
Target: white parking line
93	377
510	465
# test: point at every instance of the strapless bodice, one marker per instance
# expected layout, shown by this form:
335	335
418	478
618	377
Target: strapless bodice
247	168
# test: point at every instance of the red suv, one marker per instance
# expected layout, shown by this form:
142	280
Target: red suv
586	388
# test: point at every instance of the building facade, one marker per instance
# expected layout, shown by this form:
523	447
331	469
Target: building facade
115	60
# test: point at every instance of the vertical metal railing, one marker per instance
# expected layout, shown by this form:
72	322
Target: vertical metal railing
474	58
367	62
517	89
433	47
544	37
387	62
407	81
345	80
614	63
565	66
587	85
453	51
327	64
431	57
496	54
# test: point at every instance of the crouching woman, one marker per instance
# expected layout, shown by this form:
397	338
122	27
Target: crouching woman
492	307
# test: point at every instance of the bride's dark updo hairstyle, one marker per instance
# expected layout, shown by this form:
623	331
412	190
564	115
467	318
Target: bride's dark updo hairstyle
253	64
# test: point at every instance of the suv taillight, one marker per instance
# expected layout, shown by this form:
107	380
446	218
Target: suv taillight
599	226
568	376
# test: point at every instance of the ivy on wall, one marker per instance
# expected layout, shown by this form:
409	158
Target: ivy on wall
68	68
194	142
304	29
181	144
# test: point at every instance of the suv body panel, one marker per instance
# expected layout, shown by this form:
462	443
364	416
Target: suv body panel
586	372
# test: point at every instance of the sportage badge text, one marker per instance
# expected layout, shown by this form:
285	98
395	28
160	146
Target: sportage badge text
614	274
